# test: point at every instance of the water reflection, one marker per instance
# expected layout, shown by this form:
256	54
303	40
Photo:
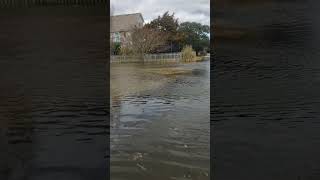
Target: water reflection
160	124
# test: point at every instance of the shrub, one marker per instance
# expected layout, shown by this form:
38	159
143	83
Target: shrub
187	54
126	51
115	48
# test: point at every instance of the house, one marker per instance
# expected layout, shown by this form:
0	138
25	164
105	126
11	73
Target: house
122	26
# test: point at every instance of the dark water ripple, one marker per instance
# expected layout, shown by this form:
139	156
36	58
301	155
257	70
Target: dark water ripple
265	117
53	97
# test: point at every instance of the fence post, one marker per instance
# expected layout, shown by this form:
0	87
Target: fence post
156	58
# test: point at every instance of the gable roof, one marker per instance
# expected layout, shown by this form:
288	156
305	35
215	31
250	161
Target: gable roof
125	22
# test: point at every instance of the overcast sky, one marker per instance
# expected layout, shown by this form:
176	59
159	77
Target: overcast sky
185	10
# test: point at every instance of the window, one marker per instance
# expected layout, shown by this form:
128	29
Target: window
116	37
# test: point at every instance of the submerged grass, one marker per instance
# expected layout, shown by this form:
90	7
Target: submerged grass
169	71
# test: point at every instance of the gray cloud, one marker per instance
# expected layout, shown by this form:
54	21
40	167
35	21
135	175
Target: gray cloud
185	10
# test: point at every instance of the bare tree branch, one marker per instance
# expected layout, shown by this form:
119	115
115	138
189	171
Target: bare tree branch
146	40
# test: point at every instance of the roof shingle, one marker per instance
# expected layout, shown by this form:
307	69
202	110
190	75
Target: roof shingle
125	22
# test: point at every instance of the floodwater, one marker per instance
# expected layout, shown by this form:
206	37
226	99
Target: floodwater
53	97
266	83
160	125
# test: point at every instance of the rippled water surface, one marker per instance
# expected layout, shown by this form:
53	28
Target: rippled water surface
266	81
53	97
160	123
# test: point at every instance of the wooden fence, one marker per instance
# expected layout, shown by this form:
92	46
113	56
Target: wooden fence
125	59
46	3
147	58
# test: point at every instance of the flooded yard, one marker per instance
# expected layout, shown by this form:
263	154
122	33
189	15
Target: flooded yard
160	126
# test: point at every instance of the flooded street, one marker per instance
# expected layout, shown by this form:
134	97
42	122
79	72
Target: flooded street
266	81
160	121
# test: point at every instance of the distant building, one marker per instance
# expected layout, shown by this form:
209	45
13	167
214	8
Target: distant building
122	26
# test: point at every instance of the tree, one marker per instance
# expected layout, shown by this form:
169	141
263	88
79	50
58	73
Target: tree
168	25
146	40
196	35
